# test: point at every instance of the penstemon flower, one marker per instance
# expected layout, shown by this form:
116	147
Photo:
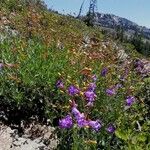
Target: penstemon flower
90	96
66	122
60	84
72	90
95	125
111	91
81	121
92	87
130	100
80	118
104	72
111	128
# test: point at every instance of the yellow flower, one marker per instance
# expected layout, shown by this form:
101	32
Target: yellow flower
69	77
81	93
59	73
87	126
91	142
77	85
62	91
66	107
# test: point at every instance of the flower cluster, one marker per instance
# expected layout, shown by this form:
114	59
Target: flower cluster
113	90
89	94
80	120
142	67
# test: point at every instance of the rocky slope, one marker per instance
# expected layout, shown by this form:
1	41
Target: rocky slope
112	21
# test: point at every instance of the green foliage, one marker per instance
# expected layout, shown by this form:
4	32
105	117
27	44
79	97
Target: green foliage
120	33
33	64
134	124
19	5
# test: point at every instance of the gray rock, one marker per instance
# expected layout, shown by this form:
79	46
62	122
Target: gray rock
7	32
122	56
36	137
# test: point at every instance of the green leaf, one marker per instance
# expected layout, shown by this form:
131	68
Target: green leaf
142	137
121	134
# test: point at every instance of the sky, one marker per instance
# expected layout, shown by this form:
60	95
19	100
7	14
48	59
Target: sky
137	11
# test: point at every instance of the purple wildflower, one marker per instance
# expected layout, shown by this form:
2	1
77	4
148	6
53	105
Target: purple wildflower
95	125
92	87
75	111
60	84
111	128
130	100
139	66
72	90
139	63
140	70
81	121
80	118
77	114
90	96
66	122
94	77
104	72
111	91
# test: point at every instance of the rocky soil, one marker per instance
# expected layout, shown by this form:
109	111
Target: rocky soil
35	137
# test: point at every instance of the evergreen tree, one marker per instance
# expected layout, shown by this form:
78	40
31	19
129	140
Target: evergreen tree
119	33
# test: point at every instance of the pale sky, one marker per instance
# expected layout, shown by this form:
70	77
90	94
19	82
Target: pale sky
137	11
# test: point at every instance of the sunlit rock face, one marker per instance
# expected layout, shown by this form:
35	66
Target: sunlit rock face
112	21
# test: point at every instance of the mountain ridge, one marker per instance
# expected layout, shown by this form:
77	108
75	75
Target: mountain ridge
113	21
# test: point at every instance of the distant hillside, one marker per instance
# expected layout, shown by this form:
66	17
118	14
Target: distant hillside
112	21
